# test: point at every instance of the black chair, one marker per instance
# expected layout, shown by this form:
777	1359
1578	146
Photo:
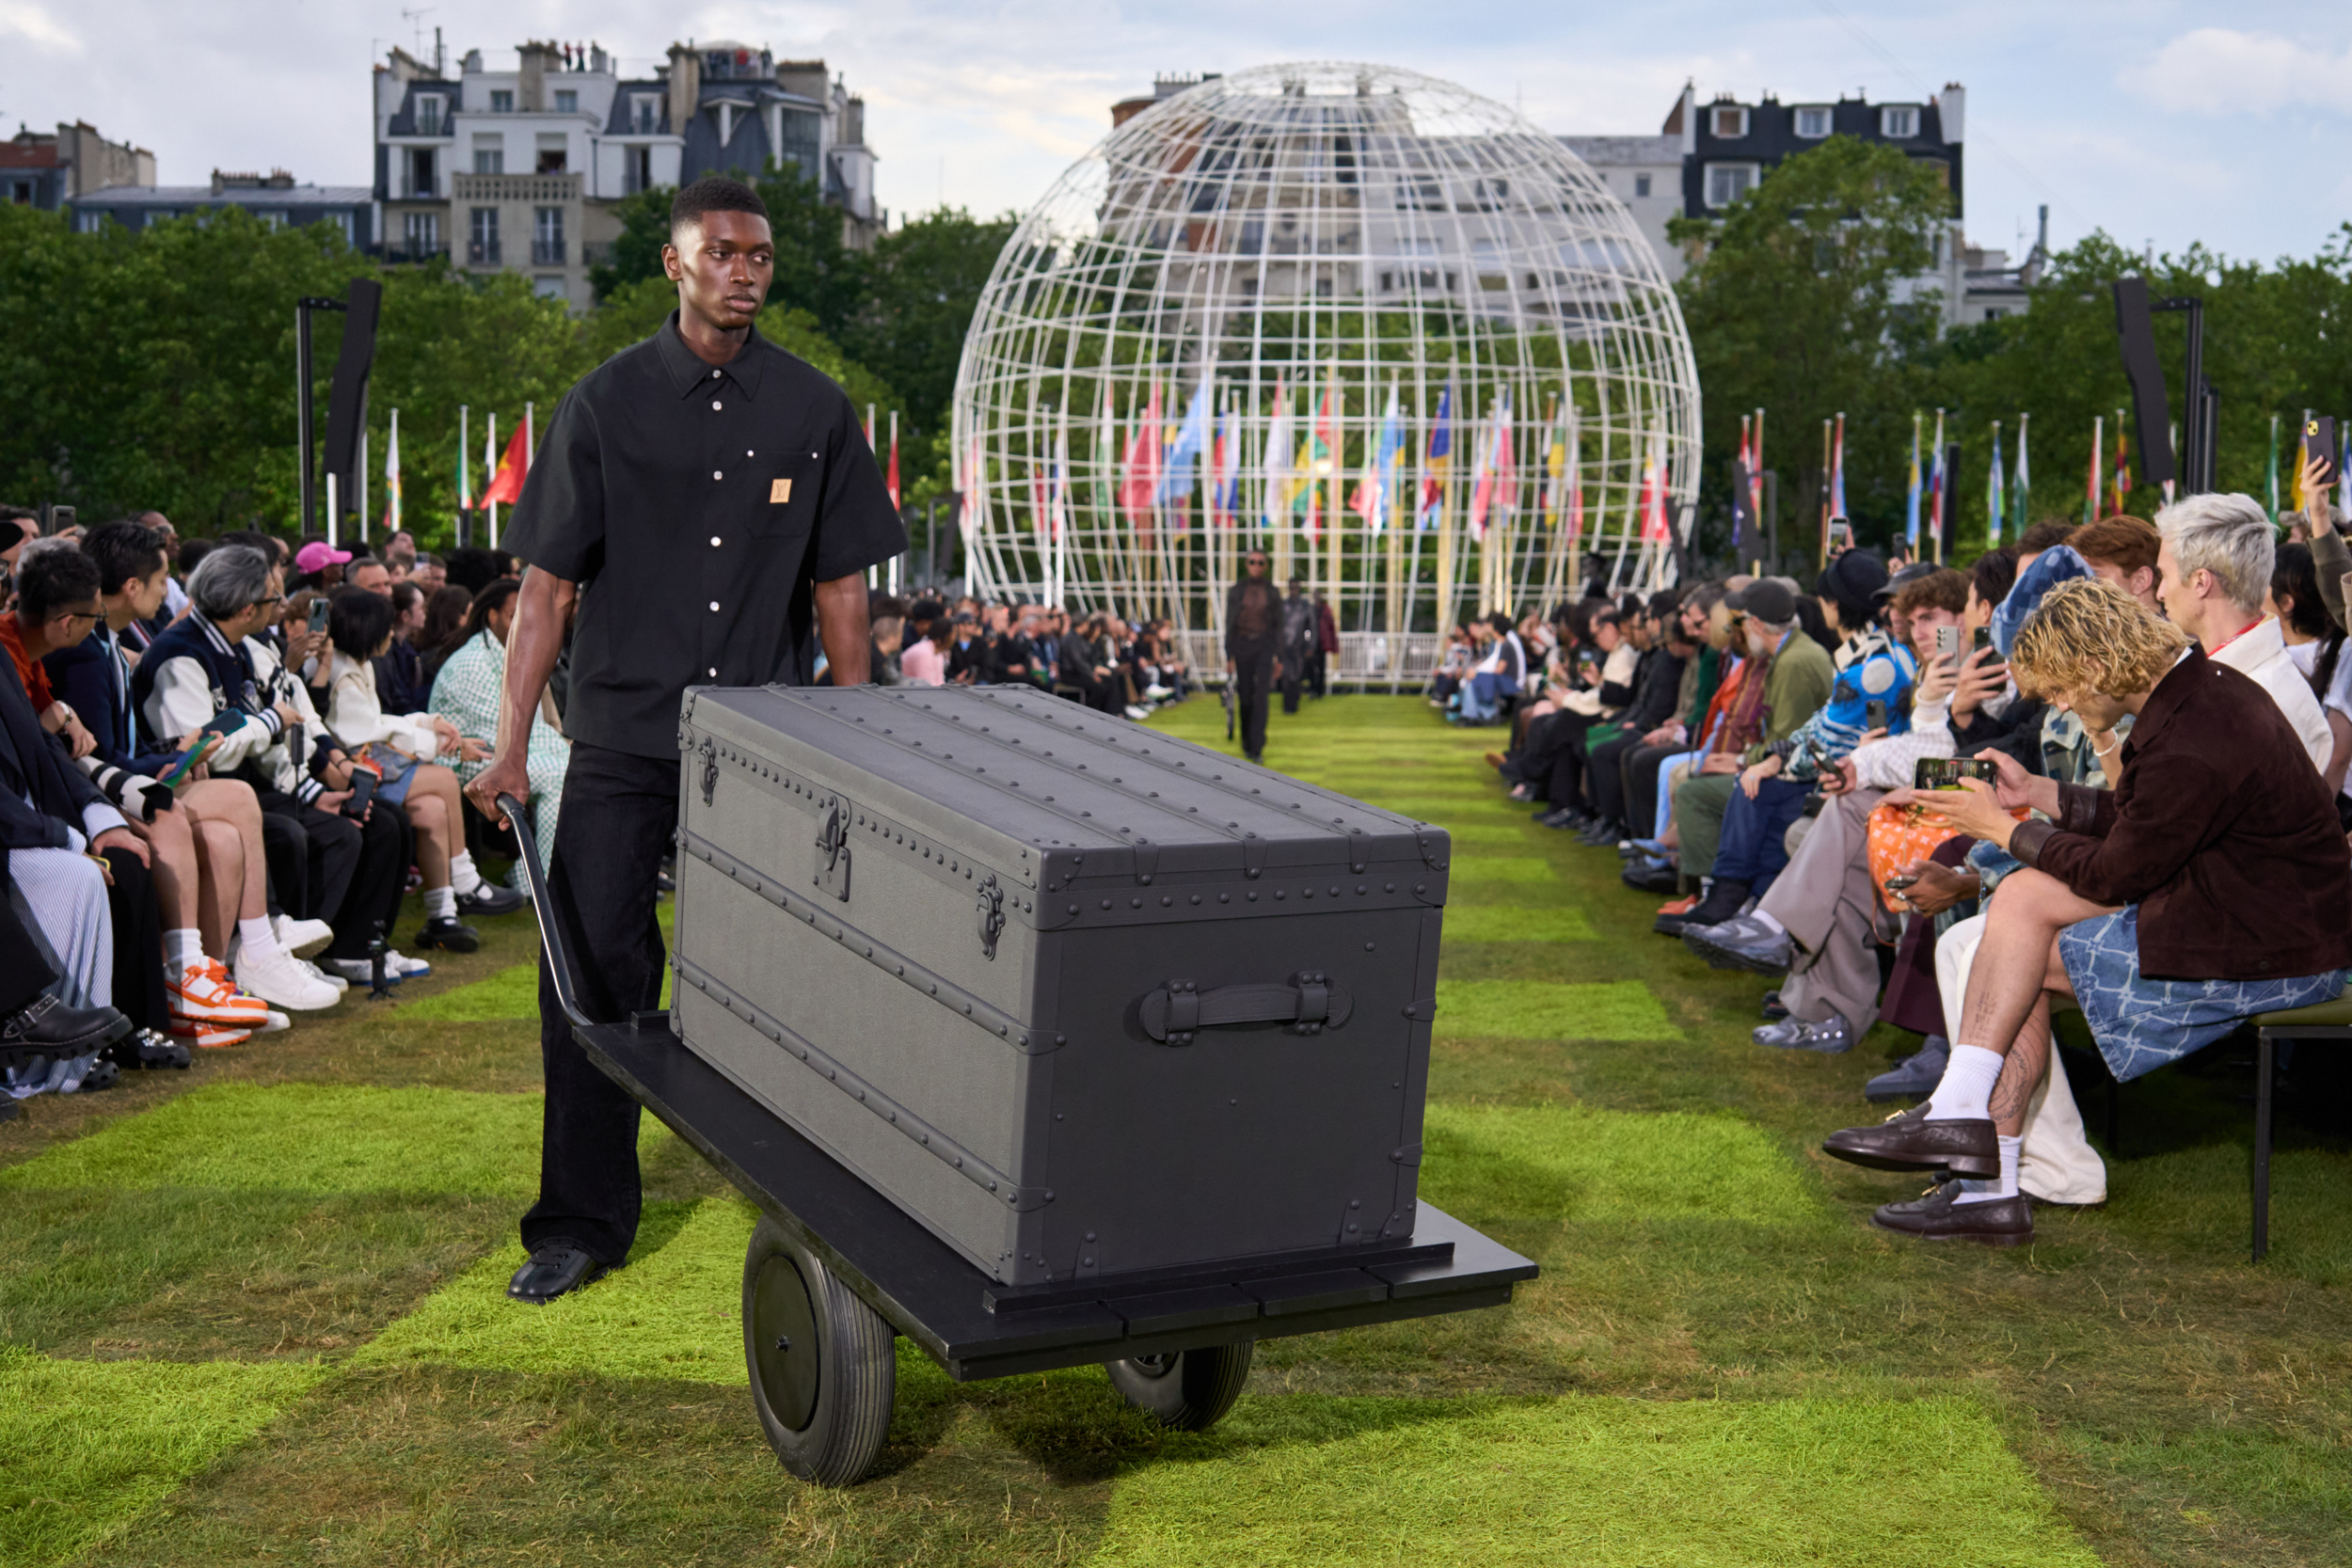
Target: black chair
2326	1022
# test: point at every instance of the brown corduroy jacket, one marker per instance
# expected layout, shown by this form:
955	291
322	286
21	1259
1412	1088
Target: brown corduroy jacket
2219	828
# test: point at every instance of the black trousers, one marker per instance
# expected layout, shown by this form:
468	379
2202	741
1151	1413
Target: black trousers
1294	679
1604	779
619	813
138	930
1568	766
350	873
25	971
1253	673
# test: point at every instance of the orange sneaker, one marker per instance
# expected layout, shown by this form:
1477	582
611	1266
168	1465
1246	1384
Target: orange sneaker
205	994
208	1037
1680	906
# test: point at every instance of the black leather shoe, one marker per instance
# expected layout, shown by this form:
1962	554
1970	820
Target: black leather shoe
489	898
144	1048
1650	877
1939	1216
556	1268
448	936
47	1027
1909	1141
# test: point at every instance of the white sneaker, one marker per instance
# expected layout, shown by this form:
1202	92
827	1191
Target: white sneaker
1160	694
301	937
328	975
278	978
397	962
356	971
273	1021
1137	713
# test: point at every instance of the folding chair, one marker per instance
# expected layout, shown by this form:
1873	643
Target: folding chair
2324	1022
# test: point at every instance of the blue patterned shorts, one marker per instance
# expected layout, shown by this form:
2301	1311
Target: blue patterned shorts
2140	1023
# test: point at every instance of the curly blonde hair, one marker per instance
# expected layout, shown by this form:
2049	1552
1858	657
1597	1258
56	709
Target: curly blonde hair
2089	635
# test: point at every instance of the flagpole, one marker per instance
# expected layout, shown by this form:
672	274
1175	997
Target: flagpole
362	476
490	466
1755	487
391	461
331	529
465	487
1823	562
2098	442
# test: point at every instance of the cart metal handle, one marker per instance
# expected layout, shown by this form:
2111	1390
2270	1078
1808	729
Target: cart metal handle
1308	1002
543	904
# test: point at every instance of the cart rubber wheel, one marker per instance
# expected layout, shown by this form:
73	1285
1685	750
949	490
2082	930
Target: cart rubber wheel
823	1369
1187	1390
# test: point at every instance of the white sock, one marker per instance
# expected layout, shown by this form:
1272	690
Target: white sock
462	875
441	903
1965	1092
2005	1185
260	936
1765	920
183	949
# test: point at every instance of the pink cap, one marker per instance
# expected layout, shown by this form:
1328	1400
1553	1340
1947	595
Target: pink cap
316	556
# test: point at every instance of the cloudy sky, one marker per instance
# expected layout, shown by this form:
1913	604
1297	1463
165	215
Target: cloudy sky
2156	120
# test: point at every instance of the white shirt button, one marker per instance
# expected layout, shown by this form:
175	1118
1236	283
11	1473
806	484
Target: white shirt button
748	452
714	604
714	674
714	540
716	474
716	374
716	406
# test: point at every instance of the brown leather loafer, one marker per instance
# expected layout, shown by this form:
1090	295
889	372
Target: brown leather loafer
1909	1141
1939	1216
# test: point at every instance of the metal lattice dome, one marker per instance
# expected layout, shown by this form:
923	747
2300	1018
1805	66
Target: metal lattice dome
1369	321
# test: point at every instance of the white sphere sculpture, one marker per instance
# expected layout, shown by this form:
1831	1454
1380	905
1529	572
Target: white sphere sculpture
1366	320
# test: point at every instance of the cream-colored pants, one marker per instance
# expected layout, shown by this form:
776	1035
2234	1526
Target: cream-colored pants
2056	1162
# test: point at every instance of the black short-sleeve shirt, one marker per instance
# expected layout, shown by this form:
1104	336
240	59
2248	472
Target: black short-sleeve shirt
697	505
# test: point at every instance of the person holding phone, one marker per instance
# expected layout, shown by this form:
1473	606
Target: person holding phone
2209	885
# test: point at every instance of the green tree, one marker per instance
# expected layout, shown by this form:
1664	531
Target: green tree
924	280
1798	305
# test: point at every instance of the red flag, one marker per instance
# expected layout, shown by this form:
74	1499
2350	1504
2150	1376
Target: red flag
891	481
506	486
1141	480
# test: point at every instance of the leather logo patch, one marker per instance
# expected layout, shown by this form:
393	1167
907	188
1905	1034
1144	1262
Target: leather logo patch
778	492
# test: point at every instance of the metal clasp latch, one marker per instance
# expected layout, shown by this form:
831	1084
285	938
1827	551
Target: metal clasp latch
710	769
992	916
833	852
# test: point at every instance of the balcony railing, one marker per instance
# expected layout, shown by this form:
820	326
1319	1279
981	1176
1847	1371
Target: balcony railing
483	253
547	189
547	253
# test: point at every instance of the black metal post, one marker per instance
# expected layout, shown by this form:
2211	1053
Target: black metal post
303	307
2200	403
1771	519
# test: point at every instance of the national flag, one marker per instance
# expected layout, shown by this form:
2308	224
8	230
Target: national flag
1277	457
1837	471
1740	521
1993	489
2090	490
1188	440
1313	525
2270	491
1226	495
1939	481
1911	489
890	481
1057	492
506	486
1486	496
2021	487
1574	520
1555	466
973	475
465	482
2123	466
1440	458
1655	526
1377	487
1141	481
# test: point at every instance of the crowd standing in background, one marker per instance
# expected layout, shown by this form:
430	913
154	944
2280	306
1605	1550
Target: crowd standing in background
2103	769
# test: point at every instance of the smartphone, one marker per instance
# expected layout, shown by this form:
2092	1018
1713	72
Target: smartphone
318	614
1896	884
1947	772
1981	640
1946	640
363	785
1874	714
60	518
2319	444
181	772
1840	535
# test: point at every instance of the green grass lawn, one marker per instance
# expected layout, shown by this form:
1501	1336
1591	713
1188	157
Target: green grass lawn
253	1311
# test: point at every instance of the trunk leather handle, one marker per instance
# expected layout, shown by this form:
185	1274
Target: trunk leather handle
1307	1001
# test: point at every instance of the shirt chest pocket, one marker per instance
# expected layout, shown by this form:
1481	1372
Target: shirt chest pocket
794	482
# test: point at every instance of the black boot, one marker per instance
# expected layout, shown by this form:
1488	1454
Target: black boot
1724	899
47	1027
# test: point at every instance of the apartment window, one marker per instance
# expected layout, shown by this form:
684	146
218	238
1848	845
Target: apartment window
502	100
161	214
21	193
340	219
489	155
87	222
272	217
1813	123
421	172
645	113
482	249
547	287
550	150
636	169
1994	314
1731	120
546	237
567	102
422	232
1898	124
1640	184
429	107
1728	183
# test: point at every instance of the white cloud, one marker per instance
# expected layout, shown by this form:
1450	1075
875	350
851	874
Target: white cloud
2219	70
24	20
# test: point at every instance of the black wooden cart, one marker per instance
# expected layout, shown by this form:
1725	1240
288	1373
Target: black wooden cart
835	1270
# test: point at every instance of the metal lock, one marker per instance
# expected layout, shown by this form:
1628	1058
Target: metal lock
992	916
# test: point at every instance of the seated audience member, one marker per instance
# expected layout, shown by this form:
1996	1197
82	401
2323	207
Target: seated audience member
2209	885
2316	643
1501	673
888	633
429	574
1664	691
401	684
1871	669
320	566
922	660
213	669
445	614
465	695
399	554
369	575
1798	675
359	624
2215	578
206	850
